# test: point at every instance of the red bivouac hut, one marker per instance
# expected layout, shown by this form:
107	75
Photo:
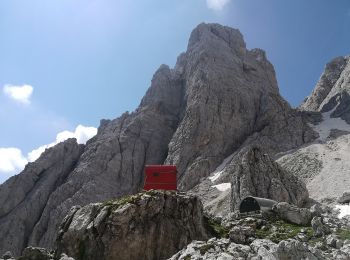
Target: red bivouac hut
160	177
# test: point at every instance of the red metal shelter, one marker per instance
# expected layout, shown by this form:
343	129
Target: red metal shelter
160	177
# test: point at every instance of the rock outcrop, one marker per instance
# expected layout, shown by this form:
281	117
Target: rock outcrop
152	225
256	238
293	214
254	173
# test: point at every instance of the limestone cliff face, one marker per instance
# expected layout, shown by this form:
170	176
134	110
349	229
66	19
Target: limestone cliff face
218	98
231	94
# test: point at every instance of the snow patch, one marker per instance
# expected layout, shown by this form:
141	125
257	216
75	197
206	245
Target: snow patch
344	210
328	123
220	169
223	186
215	176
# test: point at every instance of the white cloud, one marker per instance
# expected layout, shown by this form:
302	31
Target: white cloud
81	133
217	5
13	161
21	94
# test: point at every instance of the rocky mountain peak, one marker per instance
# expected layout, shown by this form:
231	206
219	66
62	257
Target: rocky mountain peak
211	34
332	89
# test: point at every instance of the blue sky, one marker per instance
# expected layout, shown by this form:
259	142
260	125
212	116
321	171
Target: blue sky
93	59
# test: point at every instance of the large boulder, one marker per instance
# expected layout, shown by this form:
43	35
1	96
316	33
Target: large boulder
151	225
319	228
293	214
345	198
254	173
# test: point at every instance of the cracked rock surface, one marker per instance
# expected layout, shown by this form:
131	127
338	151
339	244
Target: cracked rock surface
151	225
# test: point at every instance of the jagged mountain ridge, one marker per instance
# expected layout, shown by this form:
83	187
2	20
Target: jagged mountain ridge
218	98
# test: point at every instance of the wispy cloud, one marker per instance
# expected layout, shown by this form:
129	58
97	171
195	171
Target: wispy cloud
12	160
21	94
217	5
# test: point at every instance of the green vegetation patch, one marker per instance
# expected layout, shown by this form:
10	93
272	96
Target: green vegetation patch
205	248
187	257
216	228
281	230
343	234
133	199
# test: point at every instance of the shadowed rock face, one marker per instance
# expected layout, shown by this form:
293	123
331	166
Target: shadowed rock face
219	97
152	225
254	173
24	196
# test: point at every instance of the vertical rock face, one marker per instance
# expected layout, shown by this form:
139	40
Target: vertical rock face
24	196
219	97
254	173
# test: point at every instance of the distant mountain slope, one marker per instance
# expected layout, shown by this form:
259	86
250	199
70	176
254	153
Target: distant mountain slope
219	98
325	164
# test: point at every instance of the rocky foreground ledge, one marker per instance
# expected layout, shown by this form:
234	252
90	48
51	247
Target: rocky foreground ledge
172	225
148	225
288	233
